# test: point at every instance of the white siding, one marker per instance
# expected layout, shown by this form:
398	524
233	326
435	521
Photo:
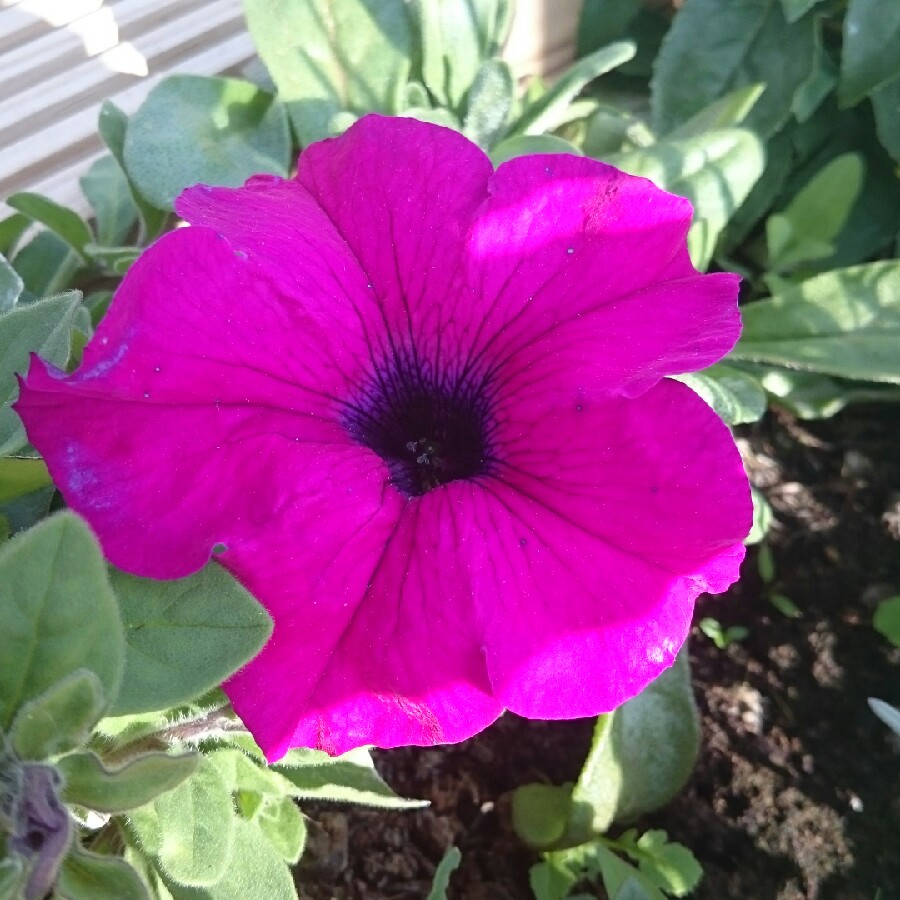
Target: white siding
59	59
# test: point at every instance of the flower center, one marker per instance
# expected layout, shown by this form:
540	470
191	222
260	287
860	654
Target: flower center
429	429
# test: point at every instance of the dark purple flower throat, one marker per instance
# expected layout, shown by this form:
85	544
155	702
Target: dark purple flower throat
429	427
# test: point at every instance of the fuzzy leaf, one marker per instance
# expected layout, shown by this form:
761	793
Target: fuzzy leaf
45	328
350	778
46	265
19	477
726	112
60	719
89	783
548	111
228	130
184	636
446	867
641	756
112	124
816	214
869	58
107	190
489	102
190	829
540	812
11	285
670	866
736	397
59	613
90	876
714	47
326	58
886	103
64	222
284	826
457	36
254	870
845	323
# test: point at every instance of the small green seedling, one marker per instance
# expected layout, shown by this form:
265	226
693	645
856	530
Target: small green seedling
720	636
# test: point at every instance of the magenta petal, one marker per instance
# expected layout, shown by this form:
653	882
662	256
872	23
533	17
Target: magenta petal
403	194
613	517
376	641
154	435
586	280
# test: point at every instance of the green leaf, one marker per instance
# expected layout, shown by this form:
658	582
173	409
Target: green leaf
714	47
254	870
604	21
785	605
796	9
184	636
46	265
620	879
60	719
285	828
886	620
12	878
109	193
19	477
807	227
227	131
350	778
327	57
489	103
90	876
641	756
726	112
59	613
11	285
246	776
45	328
809	395
457	36
64	222
818	85
190	829
715	171
540	812
549	110
118	259
530	145
736	397
672	867
886	103
869	58
11	229
549	881
89	783
446	867
112	124
845	323
762	517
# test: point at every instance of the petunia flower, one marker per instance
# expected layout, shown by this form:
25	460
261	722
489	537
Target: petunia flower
418	407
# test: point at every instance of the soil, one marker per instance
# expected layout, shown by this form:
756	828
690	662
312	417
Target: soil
796	795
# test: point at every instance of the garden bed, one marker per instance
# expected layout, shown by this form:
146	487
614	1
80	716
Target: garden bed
796	795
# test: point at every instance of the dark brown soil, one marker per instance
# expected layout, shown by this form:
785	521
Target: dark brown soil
797	790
